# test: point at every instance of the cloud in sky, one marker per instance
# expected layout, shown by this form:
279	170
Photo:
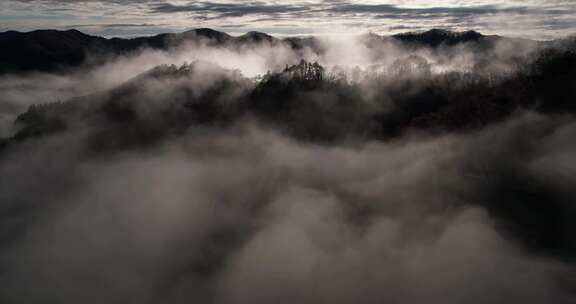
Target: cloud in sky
530	18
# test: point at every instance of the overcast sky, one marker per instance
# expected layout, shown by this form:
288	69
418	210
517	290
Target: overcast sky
536	19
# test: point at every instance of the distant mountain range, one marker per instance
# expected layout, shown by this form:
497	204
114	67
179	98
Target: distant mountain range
53	50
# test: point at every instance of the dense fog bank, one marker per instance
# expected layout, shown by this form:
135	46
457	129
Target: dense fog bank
360	169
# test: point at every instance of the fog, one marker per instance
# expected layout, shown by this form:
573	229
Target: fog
350	54
195	183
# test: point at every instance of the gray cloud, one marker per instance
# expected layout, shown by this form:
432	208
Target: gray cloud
223	10
113	25
528	19
452	11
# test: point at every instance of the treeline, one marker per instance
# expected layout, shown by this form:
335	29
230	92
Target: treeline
311	103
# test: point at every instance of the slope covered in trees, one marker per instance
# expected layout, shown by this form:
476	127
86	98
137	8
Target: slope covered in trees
311	102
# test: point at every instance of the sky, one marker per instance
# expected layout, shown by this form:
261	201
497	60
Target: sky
535	19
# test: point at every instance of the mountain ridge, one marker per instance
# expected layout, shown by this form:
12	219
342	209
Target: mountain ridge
55	50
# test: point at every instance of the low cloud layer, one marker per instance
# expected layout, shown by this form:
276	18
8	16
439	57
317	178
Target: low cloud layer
378	172
246	215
